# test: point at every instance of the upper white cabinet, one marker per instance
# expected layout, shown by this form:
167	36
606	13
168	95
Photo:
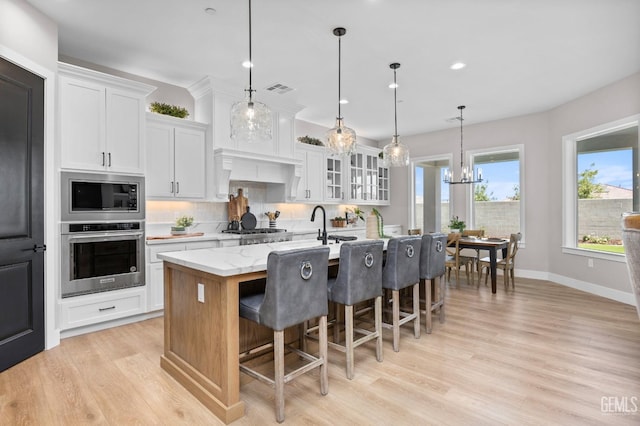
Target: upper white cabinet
311	185
101	121
334	191
368	179
176	155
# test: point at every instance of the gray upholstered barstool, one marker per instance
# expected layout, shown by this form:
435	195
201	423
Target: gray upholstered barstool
432	269
359	279
295	292
402	270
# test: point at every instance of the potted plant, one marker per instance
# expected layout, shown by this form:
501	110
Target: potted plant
166	109
456	225
338	222
182	225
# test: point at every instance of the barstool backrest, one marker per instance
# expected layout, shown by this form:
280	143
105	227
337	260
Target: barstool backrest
402	267
360	272
296	288
433	256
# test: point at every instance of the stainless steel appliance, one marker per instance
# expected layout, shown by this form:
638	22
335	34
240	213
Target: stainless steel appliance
261	235
102	256
101	197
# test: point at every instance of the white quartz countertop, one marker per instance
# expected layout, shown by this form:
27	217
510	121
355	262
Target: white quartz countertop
228	261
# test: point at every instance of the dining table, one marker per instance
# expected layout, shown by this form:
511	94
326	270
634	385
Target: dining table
492	245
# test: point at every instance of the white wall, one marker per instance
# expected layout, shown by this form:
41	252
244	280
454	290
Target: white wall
541	134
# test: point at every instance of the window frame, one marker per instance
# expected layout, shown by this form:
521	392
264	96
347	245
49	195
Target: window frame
471	154
414	161
570	186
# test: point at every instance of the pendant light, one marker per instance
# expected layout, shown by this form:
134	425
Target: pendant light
341	140
466	174
395	154
251	121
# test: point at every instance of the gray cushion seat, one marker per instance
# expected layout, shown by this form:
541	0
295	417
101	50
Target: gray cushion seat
359	279
295	291
402	270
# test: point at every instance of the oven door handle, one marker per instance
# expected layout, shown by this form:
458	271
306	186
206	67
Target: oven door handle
102	236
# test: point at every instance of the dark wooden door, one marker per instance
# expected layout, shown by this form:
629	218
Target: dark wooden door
21	214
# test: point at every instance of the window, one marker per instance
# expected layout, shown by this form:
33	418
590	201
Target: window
598	186
497	203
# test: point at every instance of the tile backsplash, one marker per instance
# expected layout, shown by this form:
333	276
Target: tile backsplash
213	216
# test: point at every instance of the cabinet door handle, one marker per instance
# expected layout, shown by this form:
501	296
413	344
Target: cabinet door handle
103	159
109	159
171	188
177	187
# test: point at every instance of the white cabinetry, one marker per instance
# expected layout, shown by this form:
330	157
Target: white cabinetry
101	121
368	180
311	183
100	307
334	191
155	271
175	158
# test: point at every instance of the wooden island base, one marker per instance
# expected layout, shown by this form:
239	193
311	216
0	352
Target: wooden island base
201	339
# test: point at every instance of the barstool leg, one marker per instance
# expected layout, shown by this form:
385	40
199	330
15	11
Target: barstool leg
416	309
427	304
378	326
441	297
278	354
348	339
322	342
395	300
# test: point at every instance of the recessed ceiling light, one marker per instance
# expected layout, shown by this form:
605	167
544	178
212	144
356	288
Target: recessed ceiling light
247	64
458	65
344	101
210	11
393	85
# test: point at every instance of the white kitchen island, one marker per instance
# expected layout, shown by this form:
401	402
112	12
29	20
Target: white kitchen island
203	333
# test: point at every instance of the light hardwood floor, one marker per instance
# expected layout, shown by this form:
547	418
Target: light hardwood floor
542	354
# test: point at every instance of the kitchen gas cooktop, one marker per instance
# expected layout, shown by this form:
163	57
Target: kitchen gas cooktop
254	231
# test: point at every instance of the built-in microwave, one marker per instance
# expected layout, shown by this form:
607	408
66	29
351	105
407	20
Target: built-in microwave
101	197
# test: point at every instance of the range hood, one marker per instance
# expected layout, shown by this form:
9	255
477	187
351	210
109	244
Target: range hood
281	174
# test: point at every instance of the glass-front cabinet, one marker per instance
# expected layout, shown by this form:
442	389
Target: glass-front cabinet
334	191
368	179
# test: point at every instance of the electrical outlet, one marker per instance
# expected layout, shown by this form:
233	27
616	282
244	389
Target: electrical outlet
590	263
200	293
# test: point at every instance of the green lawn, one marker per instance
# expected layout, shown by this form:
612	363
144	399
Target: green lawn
603	247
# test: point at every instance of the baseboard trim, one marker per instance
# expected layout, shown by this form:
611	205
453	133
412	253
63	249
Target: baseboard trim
109	324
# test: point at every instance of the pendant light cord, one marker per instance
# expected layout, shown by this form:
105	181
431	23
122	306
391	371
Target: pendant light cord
339	72
461	162
395	104
250	58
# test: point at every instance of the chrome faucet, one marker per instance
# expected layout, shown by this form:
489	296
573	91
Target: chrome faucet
322	236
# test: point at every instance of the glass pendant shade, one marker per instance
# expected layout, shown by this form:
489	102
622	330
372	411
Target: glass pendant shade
341	140
395	154
251	121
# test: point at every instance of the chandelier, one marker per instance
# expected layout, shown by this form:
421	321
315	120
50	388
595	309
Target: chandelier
250	120
341	140
466	174
395	154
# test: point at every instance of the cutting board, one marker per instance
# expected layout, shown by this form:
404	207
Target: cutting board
237	205
169	237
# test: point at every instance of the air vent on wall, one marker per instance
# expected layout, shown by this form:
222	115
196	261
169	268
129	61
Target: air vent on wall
278	88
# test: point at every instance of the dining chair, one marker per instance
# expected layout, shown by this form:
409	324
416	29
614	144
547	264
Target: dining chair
477	233
507	264
295	292
454	260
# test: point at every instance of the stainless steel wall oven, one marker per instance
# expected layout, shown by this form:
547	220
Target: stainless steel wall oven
101	257
102	232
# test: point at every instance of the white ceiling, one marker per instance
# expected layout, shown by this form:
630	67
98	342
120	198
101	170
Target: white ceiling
522	56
